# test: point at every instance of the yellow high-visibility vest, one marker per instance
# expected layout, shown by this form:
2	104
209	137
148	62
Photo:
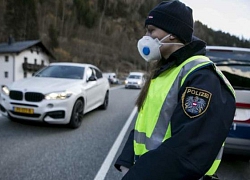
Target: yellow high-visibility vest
153	121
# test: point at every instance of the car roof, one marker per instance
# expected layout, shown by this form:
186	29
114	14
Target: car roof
227	48
72	64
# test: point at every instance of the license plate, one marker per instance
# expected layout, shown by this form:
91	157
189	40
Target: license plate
24	110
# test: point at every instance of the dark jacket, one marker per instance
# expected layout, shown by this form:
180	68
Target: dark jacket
195	142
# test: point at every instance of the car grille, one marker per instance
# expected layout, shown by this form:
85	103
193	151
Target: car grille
16	95
33	97
132	83
29	96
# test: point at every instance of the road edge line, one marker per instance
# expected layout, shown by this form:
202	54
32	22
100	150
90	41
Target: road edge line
112	152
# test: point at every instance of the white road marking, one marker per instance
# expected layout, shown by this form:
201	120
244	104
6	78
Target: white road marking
112	152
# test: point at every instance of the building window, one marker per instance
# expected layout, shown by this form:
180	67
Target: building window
6	74
35	61
6	58
42	62
25	60
24	74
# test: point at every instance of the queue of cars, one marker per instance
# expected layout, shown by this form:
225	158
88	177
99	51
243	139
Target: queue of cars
134	80
61	93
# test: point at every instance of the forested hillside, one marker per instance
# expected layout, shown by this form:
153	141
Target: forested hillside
101	32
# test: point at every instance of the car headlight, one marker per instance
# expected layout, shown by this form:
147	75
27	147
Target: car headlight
126	81
58	95
5	90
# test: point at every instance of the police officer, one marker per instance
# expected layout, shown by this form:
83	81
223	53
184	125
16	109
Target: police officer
186	107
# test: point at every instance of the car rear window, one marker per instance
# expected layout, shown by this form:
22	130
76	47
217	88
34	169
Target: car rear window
235	65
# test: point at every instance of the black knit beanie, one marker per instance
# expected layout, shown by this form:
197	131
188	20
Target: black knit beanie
173	17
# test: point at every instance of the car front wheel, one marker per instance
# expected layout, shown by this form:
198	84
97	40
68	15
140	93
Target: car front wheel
77	114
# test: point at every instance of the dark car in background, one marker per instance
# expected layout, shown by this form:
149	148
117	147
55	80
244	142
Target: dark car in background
235	65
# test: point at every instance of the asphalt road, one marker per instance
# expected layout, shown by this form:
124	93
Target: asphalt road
35	151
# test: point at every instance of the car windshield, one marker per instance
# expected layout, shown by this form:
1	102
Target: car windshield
134	77
235	65
62	71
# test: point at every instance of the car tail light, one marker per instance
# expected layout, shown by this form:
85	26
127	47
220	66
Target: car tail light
242	114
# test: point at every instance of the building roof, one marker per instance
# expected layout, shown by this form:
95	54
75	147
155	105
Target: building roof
17	47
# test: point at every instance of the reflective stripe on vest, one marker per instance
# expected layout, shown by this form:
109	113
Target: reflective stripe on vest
153	121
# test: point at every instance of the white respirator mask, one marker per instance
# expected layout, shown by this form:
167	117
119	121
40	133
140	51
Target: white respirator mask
149	48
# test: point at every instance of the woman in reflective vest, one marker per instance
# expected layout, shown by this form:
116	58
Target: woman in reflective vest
153	124
185	108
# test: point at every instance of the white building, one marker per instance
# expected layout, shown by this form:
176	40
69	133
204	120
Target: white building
21	59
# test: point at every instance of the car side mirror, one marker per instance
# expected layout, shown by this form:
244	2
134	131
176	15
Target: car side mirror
92	78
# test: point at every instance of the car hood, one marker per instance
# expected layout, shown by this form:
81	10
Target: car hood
40	84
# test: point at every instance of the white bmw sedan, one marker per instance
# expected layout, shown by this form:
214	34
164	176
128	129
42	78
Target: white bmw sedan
58	94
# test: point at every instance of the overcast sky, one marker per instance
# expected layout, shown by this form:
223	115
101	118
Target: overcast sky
229	16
